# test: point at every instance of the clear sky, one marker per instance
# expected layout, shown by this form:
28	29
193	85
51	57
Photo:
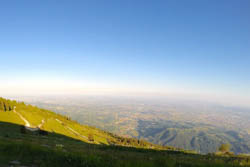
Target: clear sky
178	47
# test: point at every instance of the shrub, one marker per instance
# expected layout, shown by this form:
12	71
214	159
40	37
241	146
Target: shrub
225	148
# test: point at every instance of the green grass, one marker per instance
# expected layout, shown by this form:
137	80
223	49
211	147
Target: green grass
33	149
35	116
33	154
62	147
10	117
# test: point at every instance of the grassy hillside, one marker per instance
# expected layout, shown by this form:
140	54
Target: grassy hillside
184	124
55	123
63	142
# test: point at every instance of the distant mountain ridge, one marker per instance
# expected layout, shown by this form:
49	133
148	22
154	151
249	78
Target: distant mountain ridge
200	137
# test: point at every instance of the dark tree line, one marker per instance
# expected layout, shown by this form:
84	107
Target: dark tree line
6	105
129	141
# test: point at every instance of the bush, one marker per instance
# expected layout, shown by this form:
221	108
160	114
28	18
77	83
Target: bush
225	148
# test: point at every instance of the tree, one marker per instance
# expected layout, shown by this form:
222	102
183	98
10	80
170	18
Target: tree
225	148
1	106
6	107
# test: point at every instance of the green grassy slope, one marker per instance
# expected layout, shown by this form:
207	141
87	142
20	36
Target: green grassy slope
188	125
52	122
55	150
67	143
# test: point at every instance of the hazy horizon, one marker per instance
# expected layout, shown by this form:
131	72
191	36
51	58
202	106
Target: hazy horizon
192	50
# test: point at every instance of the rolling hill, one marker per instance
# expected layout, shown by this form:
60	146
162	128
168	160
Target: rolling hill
203	138
34	118
30	136
189	125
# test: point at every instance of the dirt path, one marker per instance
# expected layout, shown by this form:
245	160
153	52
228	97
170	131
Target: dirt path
72	130
27	124
41	124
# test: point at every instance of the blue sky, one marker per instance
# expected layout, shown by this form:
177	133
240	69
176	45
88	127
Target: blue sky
198	48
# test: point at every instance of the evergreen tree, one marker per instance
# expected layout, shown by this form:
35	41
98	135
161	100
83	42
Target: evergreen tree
1	105
5	107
